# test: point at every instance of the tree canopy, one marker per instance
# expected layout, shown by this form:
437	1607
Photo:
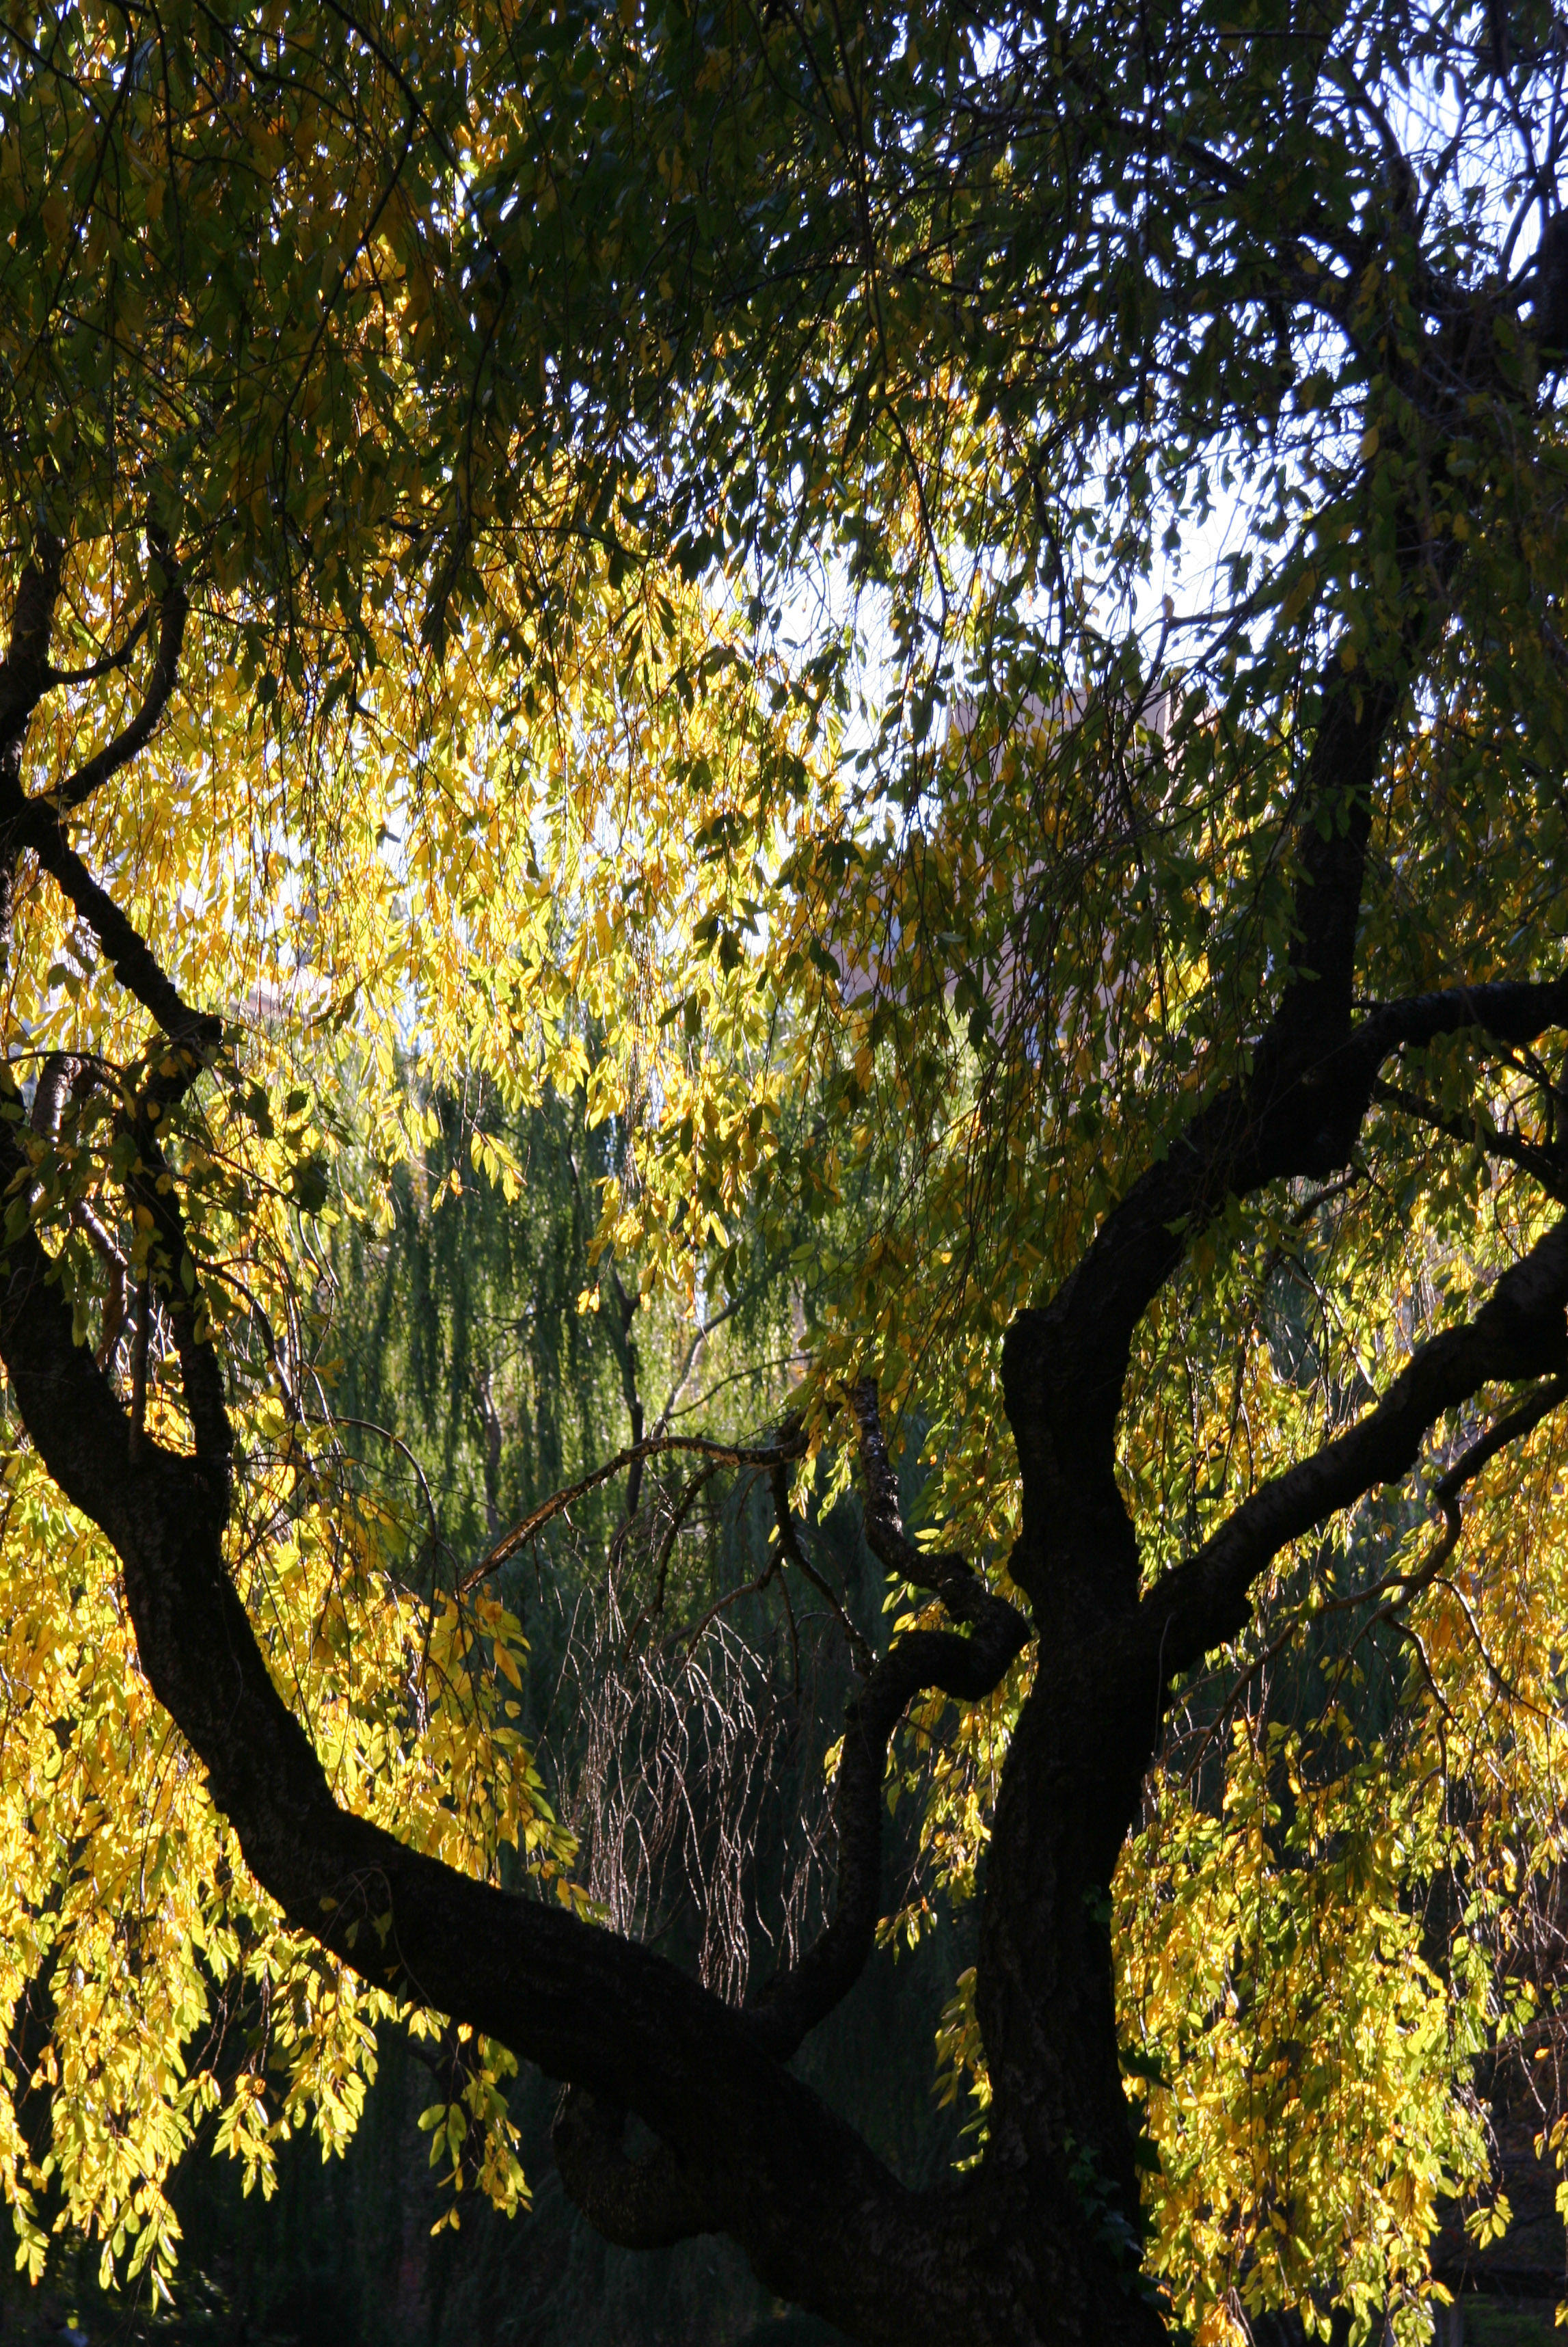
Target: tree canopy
934	644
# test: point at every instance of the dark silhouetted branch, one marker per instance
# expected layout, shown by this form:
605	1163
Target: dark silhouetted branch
1394	1592
110	661
132	961
966	1668
796	1556
641	2203
724	1453
1519	1332
174	607
24	671
767	2160
1540	1164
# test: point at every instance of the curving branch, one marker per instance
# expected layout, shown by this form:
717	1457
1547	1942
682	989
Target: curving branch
724	1454
769	2162
1519	1333
1394	1592
110	663
195	1035
1512	1426
1296	1111
766	2160
173	608
946	1573
1541	1164
1300	1113
966	1668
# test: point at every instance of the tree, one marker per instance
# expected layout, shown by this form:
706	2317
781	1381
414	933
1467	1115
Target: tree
434	446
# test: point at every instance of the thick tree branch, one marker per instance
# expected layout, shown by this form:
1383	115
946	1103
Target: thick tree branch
946	1572
195	1035
55	1079
1300	1105
1394	1592
148	1187
1511	1010
644	2202
1519	1333
1299	1110
1332	832
1063	1366
24	680
24	672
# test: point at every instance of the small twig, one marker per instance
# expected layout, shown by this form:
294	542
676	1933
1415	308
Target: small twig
724	1453
655	1604
1499	1677
731	1597
368	1426
793	1632
789	1541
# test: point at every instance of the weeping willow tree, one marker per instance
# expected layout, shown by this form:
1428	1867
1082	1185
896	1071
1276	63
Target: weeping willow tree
488	1363
464	1320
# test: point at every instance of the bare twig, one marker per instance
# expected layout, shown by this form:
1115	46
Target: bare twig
728	1454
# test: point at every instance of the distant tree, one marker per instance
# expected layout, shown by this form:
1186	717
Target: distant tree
664	528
